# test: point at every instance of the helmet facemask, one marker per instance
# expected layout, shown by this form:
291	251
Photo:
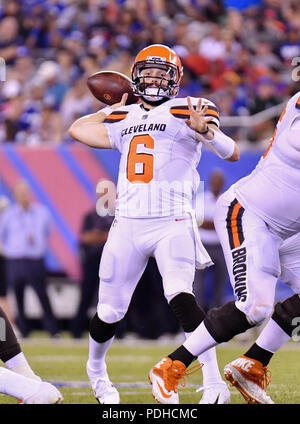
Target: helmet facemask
166	89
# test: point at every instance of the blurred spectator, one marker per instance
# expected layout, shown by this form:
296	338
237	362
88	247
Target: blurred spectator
264	56
55	90
89	64
67	70
4	303
212	244
212	46
264	98
9	38
77	102
25	227
51	125
23	69
93	235
291	46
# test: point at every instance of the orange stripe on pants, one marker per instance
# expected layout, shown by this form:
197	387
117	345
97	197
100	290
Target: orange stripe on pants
234	227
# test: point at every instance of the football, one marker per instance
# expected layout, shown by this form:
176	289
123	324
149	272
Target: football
109	86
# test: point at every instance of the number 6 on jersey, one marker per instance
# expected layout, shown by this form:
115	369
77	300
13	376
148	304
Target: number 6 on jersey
140	165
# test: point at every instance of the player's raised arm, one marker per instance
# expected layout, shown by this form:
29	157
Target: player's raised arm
210	135
90	130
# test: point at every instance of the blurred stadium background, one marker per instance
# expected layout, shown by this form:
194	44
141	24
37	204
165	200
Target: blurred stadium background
238	53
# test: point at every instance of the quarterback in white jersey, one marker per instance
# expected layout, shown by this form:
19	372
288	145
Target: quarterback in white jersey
258	224
160	141
160	154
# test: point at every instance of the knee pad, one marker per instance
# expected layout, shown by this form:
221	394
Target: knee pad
101	331
285	312
110	314
187	311
226	322
258	313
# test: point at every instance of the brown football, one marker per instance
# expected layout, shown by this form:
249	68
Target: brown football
109	86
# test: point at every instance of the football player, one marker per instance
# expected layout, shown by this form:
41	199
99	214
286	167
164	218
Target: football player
160	141
258	223
18	379
249	373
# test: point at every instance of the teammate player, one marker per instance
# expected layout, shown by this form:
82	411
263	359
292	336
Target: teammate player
258	222
249	373
19	380
160	141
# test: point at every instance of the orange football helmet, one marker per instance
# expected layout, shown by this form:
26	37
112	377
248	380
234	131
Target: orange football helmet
157	56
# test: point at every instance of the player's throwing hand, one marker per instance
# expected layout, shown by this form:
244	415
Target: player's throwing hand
197	120
121	103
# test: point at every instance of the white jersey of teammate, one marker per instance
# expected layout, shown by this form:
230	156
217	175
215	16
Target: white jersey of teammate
159	157
258	221
272	190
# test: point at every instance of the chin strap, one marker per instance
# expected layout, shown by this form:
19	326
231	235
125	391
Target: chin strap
155	103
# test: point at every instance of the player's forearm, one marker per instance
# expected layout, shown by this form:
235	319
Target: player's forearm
222	145
92	118
90	130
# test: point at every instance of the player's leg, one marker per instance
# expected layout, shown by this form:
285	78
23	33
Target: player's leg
10	349
19	380
27	390
121	267
277	332
282	324
249	373
175	256
252	278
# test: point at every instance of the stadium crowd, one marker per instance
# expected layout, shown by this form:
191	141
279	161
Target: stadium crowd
239	58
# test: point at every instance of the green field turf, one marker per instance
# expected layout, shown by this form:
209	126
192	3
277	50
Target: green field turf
63	363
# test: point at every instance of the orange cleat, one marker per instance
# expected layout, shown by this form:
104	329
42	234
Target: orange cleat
250	378
165	377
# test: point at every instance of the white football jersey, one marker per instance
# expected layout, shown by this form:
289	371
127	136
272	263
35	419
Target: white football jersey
159	157
272	190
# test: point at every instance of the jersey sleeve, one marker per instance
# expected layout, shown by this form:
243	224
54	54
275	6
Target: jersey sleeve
114	126
181	111
212	112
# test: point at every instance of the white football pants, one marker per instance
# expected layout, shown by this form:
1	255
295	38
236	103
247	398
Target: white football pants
256	256
125	255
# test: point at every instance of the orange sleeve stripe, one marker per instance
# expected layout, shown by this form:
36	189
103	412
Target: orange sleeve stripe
212	112
187	112
181	111
111	116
